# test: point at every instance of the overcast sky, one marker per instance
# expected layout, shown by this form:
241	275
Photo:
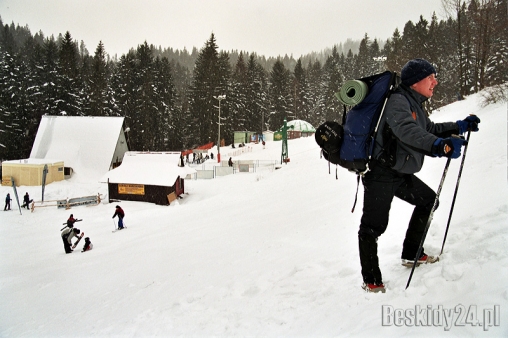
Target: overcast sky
267	27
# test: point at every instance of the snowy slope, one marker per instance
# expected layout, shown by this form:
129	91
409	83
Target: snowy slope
272	253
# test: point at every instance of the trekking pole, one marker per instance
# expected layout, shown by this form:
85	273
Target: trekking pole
114	225
456	189
429	220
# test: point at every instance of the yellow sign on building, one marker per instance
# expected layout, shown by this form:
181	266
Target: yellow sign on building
131	189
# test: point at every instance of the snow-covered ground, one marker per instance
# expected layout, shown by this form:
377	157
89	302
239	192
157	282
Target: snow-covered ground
265	254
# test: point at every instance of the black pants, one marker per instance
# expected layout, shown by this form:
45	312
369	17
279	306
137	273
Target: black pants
381	184
67	246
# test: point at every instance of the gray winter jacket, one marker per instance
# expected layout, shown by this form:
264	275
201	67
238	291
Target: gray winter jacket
68	234
406	134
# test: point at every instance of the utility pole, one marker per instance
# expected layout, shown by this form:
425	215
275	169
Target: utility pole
220	97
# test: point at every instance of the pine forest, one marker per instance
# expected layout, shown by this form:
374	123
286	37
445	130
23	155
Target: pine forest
169	97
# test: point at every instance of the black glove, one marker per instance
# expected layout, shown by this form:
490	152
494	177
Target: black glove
468	124
449	147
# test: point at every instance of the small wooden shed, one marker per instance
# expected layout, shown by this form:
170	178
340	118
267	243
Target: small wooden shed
30	172
155	177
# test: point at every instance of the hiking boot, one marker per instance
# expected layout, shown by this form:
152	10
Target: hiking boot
374	288
424	259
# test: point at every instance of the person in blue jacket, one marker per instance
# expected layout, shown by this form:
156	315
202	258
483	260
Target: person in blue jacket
406	135
7	202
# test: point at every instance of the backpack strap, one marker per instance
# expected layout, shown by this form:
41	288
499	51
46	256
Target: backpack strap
356	195
344	115
329	166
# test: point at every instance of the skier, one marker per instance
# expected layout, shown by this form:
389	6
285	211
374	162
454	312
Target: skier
88	245
27	201
67	235
230	162
7	202
406	136
71	221
121	214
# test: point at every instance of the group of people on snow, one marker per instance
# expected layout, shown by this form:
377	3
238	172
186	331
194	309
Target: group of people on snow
26	201
198	158
69	232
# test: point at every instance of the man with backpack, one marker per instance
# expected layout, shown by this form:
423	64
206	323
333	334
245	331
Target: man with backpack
405	136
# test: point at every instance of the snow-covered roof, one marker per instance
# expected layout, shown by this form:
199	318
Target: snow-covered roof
33	161
87	144
148	168
301	125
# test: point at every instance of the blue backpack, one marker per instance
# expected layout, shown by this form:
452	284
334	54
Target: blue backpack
351	143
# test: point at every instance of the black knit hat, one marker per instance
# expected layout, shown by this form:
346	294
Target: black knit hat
416	70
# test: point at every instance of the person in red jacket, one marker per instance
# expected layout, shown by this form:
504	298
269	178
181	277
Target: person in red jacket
71	221
121	214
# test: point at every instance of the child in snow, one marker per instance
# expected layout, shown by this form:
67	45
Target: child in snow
119	211
67	235
88	245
